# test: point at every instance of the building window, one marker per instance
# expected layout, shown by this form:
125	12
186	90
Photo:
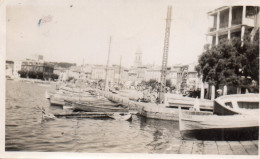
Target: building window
237	15
223	19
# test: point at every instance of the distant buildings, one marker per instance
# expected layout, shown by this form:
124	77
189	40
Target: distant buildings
116	74
29	65
187	77
233	21
32	65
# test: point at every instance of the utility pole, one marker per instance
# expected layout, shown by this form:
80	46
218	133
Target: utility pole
106	79
165	55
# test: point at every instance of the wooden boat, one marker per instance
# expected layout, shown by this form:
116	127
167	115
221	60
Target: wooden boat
97	107
59	98
73	89
206	126
236	104
95	115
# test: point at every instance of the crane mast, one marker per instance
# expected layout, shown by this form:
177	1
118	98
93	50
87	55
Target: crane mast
165	55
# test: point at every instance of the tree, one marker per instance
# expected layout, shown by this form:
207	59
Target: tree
231	63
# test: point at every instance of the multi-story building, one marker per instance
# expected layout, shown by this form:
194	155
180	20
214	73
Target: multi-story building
233	21
32	65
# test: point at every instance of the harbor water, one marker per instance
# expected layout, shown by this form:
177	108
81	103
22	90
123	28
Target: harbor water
25	130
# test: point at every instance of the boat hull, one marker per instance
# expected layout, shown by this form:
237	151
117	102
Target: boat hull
230	134
98	107
204	126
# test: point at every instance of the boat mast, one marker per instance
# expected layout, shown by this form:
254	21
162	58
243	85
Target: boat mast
106	79
119	79
165	55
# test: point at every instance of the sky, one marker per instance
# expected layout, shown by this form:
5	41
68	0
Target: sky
79	30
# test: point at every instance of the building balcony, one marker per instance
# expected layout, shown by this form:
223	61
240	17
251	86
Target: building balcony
212	29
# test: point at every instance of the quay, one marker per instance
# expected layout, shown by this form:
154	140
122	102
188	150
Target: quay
211	147
159	111
156	111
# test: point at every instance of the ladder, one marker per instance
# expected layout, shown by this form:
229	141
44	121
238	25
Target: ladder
165	55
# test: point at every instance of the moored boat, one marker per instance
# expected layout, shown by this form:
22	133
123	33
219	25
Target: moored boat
205	125
97	107
58	98
236	104
122	116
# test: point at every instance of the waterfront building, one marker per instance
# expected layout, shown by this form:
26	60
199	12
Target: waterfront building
120	74
232	21
99	73
9	66
172	75
58	70
17	67
153	73
187	77
228	22
32	65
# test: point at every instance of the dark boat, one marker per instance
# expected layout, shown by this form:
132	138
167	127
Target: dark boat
236	104
122	116
206	126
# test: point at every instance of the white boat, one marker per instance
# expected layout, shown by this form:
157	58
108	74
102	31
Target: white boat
122	116
236	104
205	125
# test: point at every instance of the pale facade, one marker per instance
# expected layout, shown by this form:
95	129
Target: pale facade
17	67
154	74
232	21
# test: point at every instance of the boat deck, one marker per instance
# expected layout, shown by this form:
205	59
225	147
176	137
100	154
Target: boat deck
211	147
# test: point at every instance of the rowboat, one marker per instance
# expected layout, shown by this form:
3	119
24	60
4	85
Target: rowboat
236	104
122	116
105	106
205	125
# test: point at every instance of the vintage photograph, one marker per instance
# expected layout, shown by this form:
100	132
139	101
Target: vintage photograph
131	76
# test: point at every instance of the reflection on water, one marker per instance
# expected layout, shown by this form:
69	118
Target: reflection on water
25	131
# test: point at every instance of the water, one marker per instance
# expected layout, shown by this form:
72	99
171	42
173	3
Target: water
25	130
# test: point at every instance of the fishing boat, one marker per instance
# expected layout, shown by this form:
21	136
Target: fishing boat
236	104
207	126
105	106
